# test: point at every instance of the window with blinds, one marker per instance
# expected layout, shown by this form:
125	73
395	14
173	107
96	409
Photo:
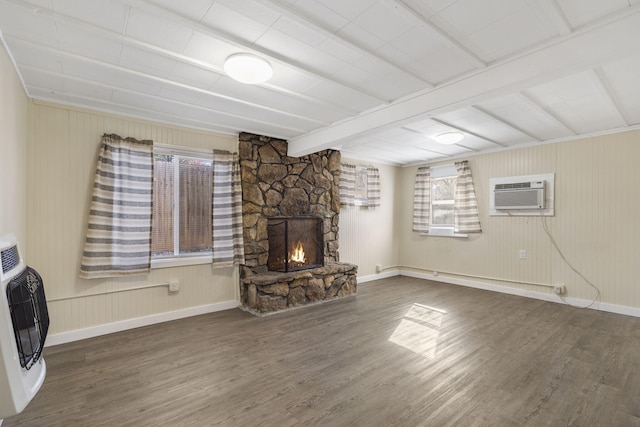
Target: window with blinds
182	201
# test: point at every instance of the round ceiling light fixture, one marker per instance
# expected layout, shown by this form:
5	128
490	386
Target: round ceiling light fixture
248	68
448	138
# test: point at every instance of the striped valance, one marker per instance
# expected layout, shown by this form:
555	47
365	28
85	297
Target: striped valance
118	237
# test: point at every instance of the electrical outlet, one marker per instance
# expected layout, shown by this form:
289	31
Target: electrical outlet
523	254
378	268
559	290
435	273
174	286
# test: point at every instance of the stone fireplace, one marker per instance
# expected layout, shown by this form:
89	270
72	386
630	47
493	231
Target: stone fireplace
279	191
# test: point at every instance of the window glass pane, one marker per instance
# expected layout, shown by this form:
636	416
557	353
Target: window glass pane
162	223
444	188
195	205
442	191
442	214
361	188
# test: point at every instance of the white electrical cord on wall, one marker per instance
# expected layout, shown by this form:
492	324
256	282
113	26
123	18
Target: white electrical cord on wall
564	258
545	227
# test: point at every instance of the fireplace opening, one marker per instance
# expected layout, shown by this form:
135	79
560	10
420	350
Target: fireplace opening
295	243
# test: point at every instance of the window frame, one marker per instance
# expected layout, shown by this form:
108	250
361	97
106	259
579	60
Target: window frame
177	259
438	172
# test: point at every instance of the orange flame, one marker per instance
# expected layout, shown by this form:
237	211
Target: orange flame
298	254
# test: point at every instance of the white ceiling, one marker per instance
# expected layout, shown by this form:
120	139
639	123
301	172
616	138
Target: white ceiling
374	78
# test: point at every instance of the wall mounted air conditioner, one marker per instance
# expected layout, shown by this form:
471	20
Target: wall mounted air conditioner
519	195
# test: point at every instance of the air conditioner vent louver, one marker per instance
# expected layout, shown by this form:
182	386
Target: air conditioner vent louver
9	258
513	185
519	195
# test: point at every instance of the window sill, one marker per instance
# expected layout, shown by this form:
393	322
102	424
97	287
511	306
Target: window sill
444	232
180	261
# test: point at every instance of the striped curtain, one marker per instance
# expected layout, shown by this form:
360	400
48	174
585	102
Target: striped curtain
373	194
118	237
228	242
465	208
347	184
422	200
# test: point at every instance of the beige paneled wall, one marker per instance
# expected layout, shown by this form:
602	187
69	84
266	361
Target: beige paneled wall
62	151
367	235
599	224
596	204
13	152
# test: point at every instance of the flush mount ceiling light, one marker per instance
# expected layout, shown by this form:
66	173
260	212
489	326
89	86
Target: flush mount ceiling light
248	68
448	138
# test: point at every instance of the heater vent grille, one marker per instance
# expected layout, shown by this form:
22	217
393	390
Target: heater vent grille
29	314
9	258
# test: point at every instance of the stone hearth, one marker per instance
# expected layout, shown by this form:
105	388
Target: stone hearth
276	185
273	291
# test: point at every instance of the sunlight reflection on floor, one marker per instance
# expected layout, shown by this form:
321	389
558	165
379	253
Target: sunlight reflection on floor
419	330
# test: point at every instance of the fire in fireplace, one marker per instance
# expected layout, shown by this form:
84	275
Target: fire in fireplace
295	243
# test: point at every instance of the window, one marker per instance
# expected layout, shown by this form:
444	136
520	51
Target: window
160	206
182	202
444	201
443	190
361	188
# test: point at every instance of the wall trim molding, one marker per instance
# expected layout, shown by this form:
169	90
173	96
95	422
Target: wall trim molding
109	328
384	275
123	325
601	306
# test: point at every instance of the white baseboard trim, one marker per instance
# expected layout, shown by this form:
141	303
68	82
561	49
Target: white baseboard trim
109	328
94	331
611	308
384	275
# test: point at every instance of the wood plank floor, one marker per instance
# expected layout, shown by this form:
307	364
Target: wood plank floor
404	352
